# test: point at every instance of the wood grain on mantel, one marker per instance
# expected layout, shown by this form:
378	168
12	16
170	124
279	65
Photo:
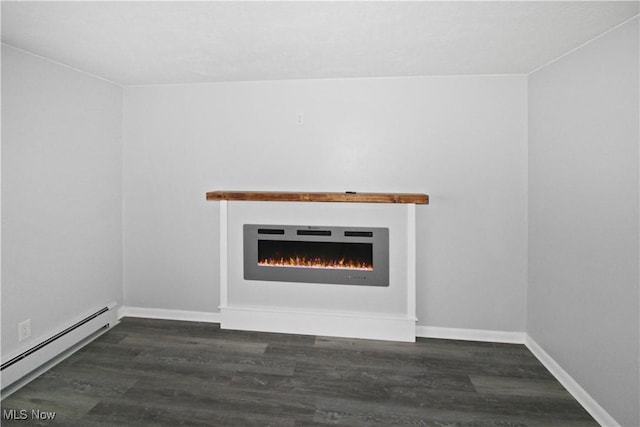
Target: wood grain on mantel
349	197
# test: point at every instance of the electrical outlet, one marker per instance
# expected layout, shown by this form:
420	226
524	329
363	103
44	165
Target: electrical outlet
24	330
300	118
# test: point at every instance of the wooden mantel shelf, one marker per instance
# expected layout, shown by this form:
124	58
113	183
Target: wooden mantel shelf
348	197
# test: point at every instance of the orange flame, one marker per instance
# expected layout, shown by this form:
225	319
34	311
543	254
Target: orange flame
304	262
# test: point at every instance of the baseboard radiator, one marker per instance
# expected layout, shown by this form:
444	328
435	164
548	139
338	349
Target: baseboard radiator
29	363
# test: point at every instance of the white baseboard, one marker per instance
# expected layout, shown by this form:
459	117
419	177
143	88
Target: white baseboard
158	313
314	323
588	403
470	334
288	326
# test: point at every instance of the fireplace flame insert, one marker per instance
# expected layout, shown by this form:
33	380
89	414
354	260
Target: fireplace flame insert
316	254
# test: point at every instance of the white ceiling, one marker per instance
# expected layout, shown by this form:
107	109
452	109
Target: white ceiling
182	42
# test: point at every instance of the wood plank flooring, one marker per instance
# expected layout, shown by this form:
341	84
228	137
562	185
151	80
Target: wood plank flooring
147	372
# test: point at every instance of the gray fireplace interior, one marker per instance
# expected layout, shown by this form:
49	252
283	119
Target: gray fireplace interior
317	254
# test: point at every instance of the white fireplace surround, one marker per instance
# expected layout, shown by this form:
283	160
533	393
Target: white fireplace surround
384	313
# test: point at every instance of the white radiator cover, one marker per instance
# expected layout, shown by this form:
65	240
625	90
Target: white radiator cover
386	313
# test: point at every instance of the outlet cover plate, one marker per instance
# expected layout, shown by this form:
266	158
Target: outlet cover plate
24	330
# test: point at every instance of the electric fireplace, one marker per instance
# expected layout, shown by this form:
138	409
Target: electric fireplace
316	254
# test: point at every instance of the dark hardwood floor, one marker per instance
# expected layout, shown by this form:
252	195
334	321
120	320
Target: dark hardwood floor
149	372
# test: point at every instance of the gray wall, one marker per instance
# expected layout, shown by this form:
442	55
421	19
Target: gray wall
460	139
583	287
61	196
